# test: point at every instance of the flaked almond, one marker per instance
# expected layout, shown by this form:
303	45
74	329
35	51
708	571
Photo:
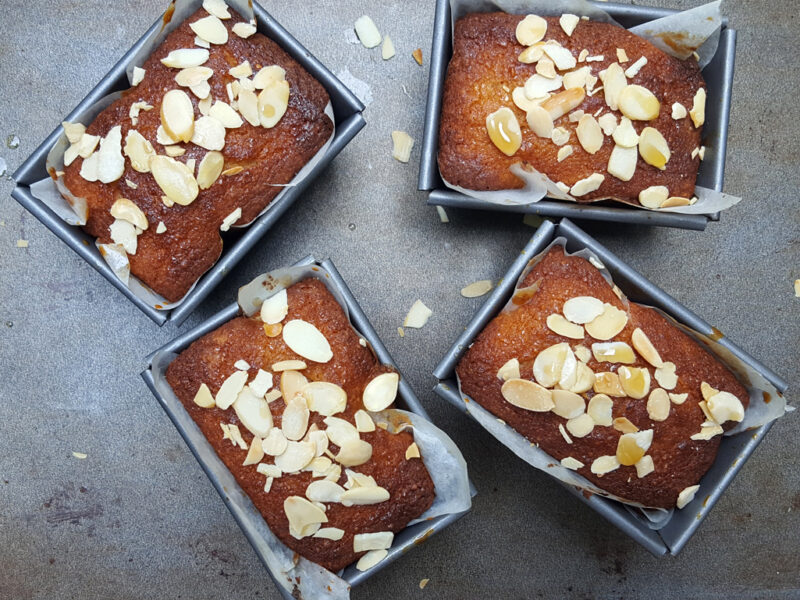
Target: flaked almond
364	495
707	391
387	49
218	8
84	148
583	309
678	111
185	58
209	133
202	90
564	152
275	442
614	81
244	30
582	353
653	196
380	540
608	383
231	432
504	131
177	115
608	324
241	71
625	135
175	179
353	453
527	395
510	370
73	131
193	76
580	426
658	405
124	234
292	383
294	421
304	516
540	122
329	533
210	29
571	463
637	66
203	397
600	410
678	398
635	381
604	464
210	169
477	289
522	101
687	495
370	559
418	315
724	407
253	412
107	164
380	392
273	330
645	348
561	56
223	113
340	431
325	398
306	340
589	134
548	365
638	103
622	162
623	425
622	56
698	112
567	404
248	107
364	422
708	430
587	184
367	32
269	470
560	136
255	453
666	376
569	22
613	352
608	123
261	383
163	138
201	43
631	447
673	201
563	102
530	30
584	379
562	326
128	211
275	308
267	75
174	151
538	87
546	68
289	365
644	466
653	148
412	451
324	491
273	101
296	456
230	388
576	78
138	76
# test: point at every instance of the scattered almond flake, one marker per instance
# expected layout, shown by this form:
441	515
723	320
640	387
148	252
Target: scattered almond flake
367	32
622	56
289	365
666	376
412	451
190	164
608	123
622	162
546	68
797	288
510	370
644	466
372	541
241	71
562	186
635	381
275	308
595	58
79	455
329	533
702	153
562	57
504	130
589	133
562	326
725	407
600	410
604	464
564	433
304	516
380	392
442	214
306	340
73	131
634	69
193	76
218	8
560	136
231	219
362	342
242	365
161	228
417	54
698	112
564	152
167	202
531	30
244	30
417	316
678	111
223	113
177	115
124	234
364	422
587	184
174	151
423	583
268	484
108	164
198	41
583	54
571	463
209	133
476	289
185	57
138	76
568	23
403	143
128	211
687	495
658	405
202	90
22	243
370	559
387	50
232	171
708	430
261	383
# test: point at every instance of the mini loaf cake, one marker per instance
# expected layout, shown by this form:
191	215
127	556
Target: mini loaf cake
218	119
608	387
600	111
286	400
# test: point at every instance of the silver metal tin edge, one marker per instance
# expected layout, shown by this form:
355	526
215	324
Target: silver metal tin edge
734	450
719	80
349	121
222	479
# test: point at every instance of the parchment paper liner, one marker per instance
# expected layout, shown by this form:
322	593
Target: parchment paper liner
440	455
73	210
758	412
688	31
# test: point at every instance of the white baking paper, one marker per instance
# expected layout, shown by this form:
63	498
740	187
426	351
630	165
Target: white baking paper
73	210
444	461
690	30
758	412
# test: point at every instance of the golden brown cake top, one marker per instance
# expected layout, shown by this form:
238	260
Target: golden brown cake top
218	118
609	387
287	398
599	110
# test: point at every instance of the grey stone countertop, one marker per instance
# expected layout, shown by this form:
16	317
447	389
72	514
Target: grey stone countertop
139	519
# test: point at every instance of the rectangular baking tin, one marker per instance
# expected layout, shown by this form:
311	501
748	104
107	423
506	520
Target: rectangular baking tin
246	515
733	451
348	119
719	81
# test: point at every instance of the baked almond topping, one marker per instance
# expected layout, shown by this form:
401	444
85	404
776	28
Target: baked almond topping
540	122
582	353
210	169
644	466
658	405
724	407
203	397
622	162
638	103
666	377
587	185
698	112
527	395
564	152
210	29
645	348
538	87
567	404
532	53
707	391
324	491
292	383
562	326
635	381
563	431
608	324
192	76
561	56
248	107
608	383
185	58
530	30
304	516
623	425
296	457
632	446
625	135
687	495
294	421
548	366
412	451
230	388
604	464
241	71
608	123
275	442
560	136
613	352
546	68
622	56
273	101
218	8
273	330
84	148
126	210
289	365
354	452
563	102
583	309
175	179
370	559
569	22
521	100
614	81
124	234
590	135
600	410
255	453
678	398
676	201
275	308
138	76
571	463
306	340
324	398
510	370
380	392
634	69
223	113
177	115
329	533
107	164
653	196
261	383
653	148
678	111
580	426
708	430
252	411
504	131
244	30
364	422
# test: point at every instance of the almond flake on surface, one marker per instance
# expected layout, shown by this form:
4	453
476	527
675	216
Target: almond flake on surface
261	383
587	184
367	32
400	332
698	112
230	388
177	115
622	56
402	143
589	133
540	122
623	425
676	201
364	422
724	407
577	78
163	138
203	397
644	466
275	442
546	68
678	111
208	133
354	452
538	87
562	103
582	353
244	30
608	383
608	123
223	113
324	491
292	383
370	559
608	324
622	162
329	533
192	76
372	541
84	148
273	101
635	381
562	326
653	148
304	516
564	433
687	495
631	447
504	131
571	463
613	352
645	348
580	426
175	179
325	398
548	366
527	395
582	55
231	432
210	169
477	289
107	164
568	23
74	131
184	58
584	380
296	456
666	377
380	392
161	228
614	81
231	219
634	69
653	196
289	365
412	451
124	234
560	136
530	30
604	464
510	370
708	430
564	152
600	410
658	405
253	412
638	103
417	316
583	309
387	49
275	308
561	56
138	76
126	210
306	340
532	53
255	453
597	58
174	151
625	135
241	71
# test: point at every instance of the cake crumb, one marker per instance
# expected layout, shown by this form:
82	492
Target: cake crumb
400	332
423	583
417	54
79	455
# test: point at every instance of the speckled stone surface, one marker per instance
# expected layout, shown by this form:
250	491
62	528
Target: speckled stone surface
138	518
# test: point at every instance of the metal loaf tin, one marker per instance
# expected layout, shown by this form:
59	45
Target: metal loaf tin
348	120
719	81
733	451
242	509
